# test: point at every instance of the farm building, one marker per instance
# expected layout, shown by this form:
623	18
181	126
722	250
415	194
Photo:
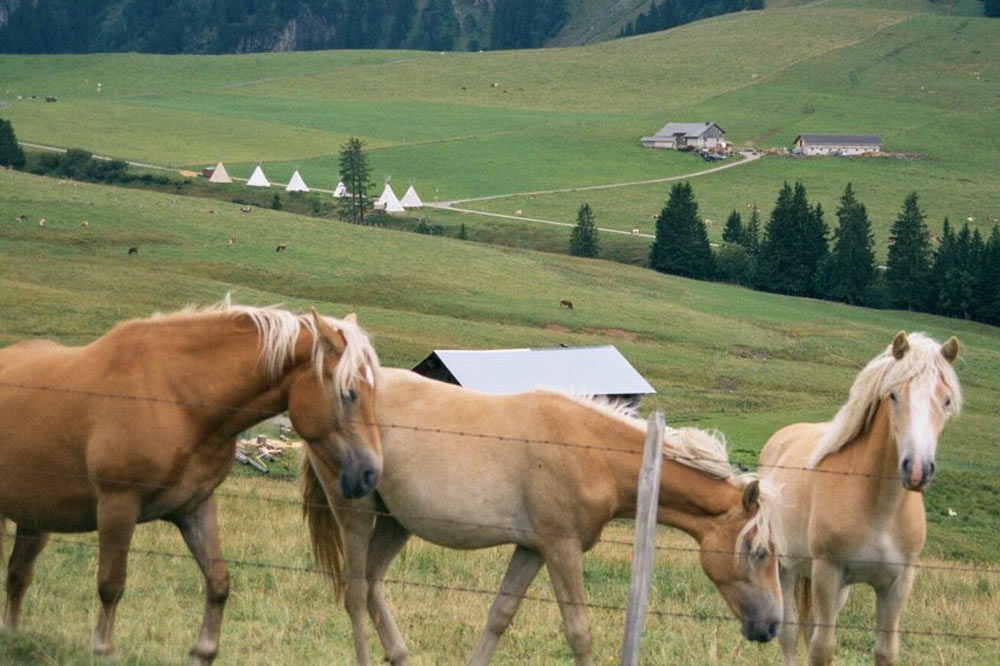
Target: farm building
836	144
700	136
578	370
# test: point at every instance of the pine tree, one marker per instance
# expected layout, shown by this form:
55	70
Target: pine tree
11	154
356	175
681	245
733	232
813	248
908	264
779	246
463	233
751	234
583	240
849	272
955	272
989	280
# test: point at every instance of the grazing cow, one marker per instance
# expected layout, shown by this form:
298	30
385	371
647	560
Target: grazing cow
22	217
133	251
635	232
246	209
232	241
518	212
84	224
566	304
281	247
41	222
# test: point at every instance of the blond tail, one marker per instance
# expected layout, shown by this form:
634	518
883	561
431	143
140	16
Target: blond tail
803	602
328	548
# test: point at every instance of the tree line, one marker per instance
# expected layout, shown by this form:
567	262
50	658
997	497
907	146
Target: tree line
956	274
672	13
241	26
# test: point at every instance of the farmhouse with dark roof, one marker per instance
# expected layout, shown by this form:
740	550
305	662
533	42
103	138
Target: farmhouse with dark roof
700	136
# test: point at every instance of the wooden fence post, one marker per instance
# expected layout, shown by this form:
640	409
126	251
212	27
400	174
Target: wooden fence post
645	540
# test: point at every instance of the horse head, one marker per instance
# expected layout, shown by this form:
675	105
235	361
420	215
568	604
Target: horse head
333	408
922	392
738	554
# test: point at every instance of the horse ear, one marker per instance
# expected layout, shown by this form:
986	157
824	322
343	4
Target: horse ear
751	494
899	345
353	318
950	349
333	337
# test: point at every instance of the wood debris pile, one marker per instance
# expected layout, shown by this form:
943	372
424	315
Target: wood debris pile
259	451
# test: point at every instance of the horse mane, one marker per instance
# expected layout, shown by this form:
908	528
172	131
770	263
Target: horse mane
278	330
923	361
707	452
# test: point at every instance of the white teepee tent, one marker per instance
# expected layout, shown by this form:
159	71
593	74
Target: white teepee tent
220	175
296	184
410	199
388	201
258	179
341	190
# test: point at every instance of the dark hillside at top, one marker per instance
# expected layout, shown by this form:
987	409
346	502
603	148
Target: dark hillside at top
246	26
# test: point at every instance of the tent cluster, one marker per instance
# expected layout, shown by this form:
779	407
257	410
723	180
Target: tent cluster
387	202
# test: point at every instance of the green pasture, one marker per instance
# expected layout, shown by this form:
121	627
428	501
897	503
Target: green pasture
719	356
462	125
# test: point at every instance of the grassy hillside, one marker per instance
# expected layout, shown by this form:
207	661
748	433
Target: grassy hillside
719	356
469	124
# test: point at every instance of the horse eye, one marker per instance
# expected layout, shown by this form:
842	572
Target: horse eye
350	396
947	402
892	396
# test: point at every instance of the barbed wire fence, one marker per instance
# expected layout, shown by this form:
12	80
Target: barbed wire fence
495	438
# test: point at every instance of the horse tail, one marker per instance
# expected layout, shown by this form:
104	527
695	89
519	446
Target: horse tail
803	603
327	544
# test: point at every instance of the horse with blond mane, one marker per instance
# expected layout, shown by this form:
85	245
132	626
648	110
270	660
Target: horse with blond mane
141	425
543	471
853	509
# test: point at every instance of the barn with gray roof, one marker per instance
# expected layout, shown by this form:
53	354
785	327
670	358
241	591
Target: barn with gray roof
836	144
578	370
700	136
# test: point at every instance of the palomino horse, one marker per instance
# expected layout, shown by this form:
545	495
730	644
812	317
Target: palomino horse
141	424
557	470
852	509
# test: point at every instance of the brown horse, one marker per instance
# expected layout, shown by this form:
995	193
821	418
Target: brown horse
562	469
141	424
853	509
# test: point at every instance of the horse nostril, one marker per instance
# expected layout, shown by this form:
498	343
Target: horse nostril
369	478
906	466
930	469
772	630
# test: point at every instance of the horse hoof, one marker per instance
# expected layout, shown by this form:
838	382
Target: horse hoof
104	650
198	660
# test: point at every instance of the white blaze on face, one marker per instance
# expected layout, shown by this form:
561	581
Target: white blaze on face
919	442
369	376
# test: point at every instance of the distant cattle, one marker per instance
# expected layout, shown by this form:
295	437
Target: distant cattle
566	304
635	232
281	247
232	241
133	251
246	209
84	224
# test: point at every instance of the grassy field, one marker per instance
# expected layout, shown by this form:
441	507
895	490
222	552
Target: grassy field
460	125
719	356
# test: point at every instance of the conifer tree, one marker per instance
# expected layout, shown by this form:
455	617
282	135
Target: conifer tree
583	240
989	280
356	175
751	233
681	245
813	248
11	154
908	263
778	250
849	271
733	232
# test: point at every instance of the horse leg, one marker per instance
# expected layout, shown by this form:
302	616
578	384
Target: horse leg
117	513
28	544
200	530
357	523
889	602
521	570
388	539
827	585
564	561
788	634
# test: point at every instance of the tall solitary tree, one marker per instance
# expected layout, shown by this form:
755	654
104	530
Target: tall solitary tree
11	154
909	259
583	240
681	245
356	174
733	232
849	271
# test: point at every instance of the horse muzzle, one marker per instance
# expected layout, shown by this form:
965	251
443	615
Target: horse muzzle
760	631
358	476
916	477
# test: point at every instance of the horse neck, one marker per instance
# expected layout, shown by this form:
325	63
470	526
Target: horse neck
870	462
688	499
216	362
